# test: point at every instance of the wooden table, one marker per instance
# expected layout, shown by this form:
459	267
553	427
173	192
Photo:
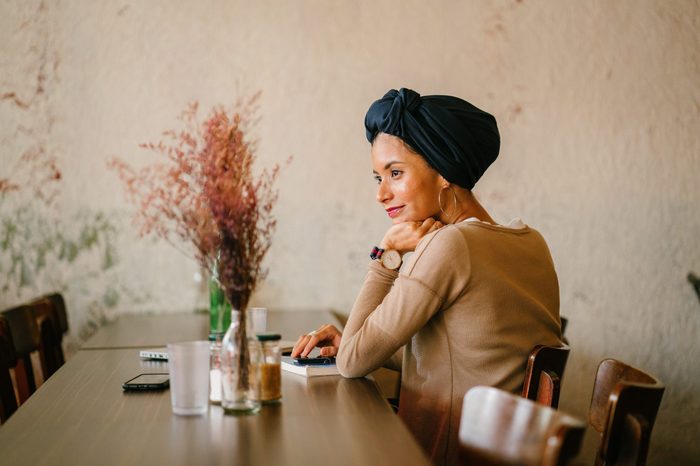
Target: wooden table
152	330
82	416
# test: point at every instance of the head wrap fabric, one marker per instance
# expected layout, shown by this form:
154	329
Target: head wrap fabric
457	139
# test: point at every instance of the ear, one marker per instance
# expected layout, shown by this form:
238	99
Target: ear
444	184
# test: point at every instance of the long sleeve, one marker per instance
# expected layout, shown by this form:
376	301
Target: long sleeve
392	307
395	362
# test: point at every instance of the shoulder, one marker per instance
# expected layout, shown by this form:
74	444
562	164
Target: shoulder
438	249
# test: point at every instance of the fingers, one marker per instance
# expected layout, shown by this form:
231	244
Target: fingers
327	337
429	225
435	226
300	345
329	351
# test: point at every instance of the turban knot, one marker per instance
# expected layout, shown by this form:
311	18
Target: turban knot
456	138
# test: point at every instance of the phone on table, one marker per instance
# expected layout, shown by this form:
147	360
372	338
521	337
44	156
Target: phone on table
147	382
317	361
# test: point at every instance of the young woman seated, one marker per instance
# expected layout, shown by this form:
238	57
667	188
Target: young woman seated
451	298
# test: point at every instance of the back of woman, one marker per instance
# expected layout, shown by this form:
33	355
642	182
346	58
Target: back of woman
503	300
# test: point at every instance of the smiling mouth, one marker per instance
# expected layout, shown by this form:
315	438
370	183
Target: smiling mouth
394	211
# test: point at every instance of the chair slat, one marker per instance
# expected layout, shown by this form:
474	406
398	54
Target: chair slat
25	336
48	324
8	360
544	374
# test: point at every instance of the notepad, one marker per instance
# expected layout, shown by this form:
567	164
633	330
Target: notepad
155	353
308	371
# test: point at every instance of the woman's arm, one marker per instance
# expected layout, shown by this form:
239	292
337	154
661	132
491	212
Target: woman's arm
396	361
384	318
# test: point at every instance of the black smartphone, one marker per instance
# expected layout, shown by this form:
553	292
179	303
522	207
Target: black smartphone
318	361
147	382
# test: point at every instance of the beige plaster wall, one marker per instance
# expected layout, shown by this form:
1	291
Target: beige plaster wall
598	105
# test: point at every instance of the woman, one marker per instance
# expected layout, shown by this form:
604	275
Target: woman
472	298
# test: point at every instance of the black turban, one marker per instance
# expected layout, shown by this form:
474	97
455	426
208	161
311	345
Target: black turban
457	139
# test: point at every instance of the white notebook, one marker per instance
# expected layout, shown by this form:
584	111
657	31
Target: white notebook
308	371
154	353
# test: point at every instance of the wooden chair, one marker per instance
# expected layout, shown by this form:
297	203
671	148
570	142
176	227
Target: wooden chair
501	428
623	410
59	305
8	360
544	373
47	319
25	337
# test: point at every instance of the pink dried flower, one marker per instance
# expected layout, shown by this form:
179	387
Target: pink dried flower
205	194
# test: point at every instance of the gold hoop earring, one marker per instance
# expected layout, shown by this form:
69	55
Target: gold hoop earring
454	198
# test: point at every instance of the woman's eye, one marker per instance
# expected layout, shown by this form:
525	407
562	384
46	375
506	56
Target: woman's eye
378	179
395	173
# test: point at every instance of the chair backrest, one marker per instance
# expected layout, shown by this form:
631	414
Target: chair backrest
8	360
498	427
25	336
544	374
60	305
564	322
48	324
623	410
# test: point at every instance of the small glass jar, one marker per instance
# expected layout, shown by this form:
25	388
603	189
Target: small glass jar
271	369
215	368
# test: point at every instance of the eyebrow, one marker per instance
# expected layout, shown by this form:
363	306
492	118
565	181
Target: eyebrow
393	162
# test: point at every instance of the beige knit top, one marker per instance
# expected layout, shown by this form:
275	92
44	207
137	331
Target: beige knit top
468	305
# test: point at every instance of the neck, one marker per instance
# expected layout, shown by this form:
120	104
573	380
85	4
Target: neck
467	207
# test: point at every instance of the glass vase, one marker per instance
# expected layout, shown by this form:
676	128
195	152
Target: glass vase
241	359
219	307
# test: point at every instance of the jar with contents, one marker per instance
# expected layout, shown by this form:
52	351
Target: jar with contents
241	361
215	368
271	369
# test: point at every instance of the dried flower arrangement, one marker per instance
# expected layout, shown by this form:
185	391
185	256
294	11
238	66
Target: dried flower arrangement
205	194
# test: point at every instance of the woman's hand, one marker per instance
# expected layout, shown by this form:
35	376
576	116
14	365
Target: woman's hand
404	237
327	337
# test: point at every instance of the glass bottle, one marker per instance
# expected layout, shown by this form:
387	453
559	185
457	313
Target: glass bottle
219	307
271	369
215	368
241	357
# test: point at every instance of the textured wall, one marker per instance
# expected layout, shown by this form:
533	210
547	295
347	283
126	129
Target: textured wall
598	104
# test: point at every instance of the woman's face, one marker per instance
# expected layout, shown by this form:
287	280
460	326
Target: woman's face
408	187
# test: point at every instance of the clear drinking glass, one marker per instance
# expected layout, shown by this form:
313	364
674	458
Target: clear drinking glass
259	317
188	364
241	357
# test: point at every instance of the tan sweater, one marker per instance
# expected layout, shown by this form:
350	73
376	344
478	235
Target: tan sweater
468	305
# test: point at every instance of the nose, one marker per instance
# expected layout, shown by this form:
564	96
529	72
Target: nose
383	192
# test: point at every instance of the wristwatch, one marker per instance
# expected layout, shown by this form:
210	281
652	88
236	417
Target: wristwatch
391	259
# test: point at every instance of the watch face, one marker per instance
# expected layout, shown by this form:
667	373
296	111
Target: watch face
391	259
